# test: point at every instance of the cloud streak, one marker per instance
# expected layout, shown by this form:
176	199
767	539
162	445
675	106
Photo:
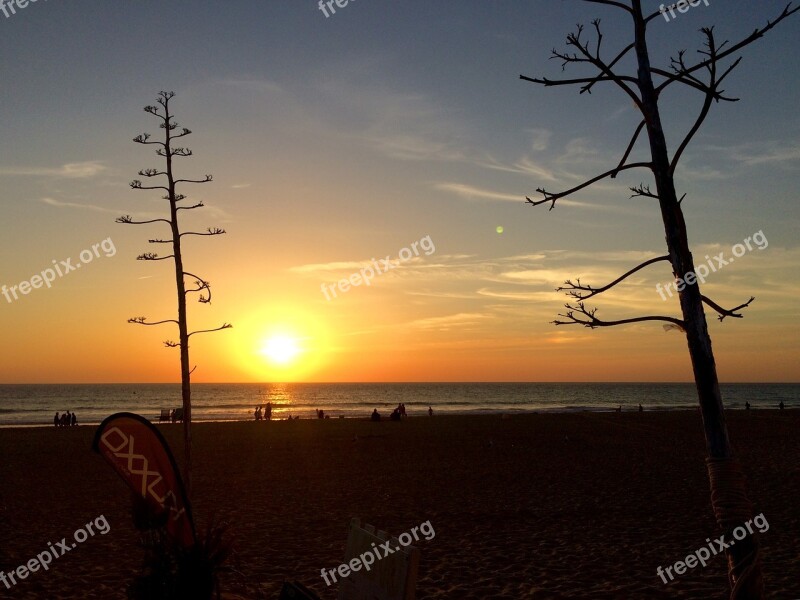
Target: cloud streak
78	170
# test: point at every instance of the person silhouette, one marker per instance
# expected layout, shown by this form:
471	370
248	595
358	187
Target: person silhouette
56	420
376	416
640	407
430	411
73	420
781	405
747	405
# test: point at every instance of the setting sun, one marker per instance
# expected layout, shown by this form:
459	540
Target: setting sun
280	349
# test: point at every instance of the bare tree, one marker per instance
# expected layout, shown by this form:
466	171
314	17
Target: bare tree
728	496
201	286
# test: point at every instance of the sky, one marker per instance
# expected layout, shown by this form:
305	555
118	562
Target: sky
337	143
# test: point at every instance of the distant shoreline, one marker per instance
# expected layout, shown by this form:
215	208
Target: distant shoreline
34	404
449	415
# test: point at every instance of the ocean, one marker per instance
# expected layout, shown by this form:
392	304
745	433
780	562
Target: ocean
35	404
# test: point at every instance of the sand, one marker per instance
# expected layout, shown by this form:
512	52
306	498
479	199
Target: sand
541	506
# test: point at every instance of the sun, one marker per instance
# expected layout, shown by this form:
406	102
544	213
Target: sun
281	349
280	343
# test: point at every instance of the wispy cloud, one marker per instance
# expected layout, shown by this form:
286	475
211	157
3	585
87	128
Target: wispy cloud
468	191
459	321
540	139
401	124
329	267
60	204
550	277
759	153
475	193
411	127
550	296
524	166
79	170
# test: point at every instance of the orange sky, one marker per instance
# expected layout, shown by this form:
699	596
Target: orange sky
337	144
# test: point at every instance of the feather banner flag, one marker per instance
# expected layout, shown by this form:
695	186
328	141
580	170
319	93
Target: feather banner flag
140	455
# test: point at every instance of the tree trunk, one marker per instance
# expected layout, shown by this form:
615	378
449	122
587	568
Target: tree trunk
728	498
186	390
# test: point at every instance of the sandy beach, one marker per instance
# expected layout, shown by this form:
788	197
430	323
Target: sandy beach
543	506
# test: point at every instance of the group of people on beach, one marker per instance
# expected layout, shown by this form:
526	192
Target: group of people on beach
267	415
66	420
781	405
398	413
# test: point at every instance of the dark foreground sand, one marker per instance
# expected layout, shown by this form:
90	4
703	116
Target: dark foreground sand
535	506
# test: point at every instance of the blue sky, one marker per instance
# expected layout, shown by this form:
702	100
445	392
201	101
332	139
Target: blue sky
334	140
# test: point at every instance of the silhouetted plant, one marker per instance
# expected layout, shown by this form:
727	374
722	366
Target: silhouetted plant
645	87
201	286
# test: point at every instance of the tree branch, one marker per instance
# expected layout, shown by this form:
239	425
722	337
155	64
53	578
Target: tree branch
201	284
574	289
591	321
151	172
209	231
137	185
724	312
556	82
757	34
573	39
207	179
631	144
643	190
128	220
550	197
224	326
151	256
710	96
143	139
142	321
182	134
198	205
